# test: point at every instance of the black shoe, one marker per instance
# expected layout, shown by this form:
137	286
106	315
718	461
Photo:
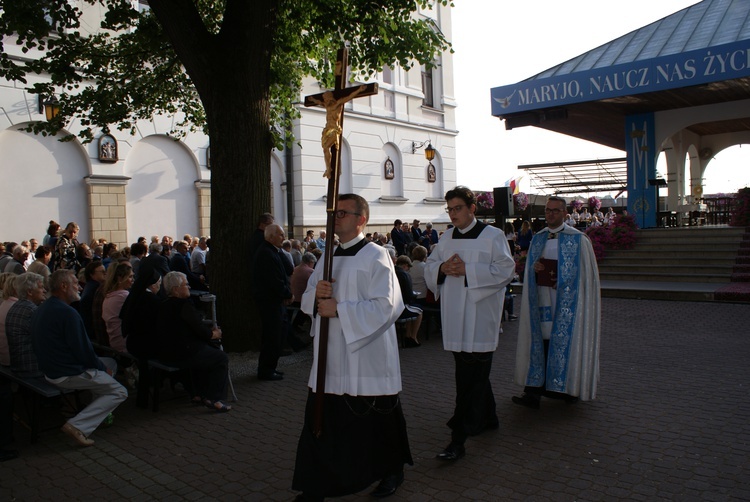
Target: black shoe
303	497
512	317
271	376
411	343
388	485
528	401
452	452
286	352
11	454
571	400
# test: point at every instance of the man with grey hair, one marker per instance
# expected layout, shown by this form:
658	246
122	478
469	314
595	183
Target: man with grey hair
67	359
16	265
272	292
296	252
155	261
30	293
198	257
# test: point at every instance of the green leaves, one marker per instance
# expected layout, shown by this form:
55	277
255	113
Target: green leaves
126	68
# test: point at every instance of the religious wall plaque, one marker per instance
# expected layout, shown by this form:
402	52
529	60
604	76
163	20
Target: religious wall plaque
388	169
108	148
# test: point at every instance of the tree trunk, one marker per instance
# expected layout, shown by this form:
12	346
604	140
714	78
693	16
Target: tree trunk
231	73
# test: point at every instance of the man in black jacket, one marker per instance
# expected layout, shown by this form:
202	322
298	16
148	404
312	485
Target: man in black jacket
398	238
272	293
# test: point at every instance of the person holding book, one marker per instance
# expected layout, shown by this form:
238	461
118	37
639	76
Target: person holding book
557	355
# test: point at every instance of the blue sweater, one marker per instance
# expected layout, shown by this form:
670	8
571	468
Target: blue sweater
60	342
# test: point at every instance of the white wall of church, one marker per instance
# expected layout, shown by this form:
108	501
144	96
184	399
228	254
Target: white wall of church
50	179
161	193
42	180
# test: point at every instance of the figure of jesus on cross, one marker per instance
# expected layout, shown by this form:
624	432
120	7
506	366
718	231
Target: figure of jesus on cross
333	102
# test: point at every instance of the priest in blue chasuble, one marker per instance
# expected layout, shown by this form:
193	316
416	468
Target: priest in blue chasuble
558	334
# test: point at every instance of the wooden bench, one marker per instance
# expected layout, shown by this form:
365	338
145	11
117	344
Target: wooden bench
39	389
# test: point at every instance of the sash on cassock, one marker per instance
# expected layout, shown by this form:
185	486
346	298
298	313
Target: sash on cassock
554	375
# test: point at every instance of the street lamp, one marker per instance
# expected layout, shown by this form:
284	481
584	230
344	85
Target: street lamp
429	151
50	105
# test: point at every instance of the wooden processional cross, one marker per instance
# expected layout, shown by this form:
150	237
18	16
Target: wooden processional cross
333	101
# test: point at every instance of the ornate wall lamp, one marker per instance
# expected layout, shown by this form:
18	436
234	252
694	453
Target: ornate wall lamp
429	151
49	105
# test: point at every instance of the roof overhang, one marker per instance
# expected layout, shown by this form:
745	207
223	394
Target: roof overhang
593	104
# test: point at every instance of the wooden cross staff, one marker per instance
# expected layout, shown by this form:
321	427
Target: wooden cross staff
333	102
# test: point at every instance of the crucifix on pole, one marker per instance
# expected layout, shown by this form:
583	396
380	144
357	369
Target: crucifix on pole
333	101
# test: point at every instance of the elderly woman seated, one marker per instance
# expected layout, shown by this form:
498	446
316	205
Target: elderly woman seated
186	342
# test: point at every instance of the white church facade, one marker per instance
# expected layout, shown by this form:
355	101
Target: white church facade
151	184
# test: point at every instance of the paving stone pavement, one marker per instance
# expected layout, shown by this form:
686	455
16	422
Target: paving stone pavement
670	423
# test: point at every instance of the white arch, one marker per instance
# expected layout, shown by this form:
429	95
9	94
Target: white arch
42	181
161	195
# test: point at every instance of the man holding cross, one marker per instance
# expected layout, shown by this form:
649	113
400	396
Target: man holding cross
363	435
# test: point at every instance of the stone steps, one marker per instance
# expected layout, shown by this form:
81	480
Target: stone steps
688	264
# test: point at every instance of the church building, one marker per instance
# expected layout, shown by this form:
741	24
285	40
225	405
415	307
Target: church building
122	186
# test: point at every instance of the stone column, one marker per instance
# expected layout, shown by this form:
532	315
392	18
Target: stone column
204	207
107	202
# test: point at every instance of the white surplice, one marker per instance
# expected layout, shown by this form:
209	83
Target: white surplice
363	355
471	307
568	315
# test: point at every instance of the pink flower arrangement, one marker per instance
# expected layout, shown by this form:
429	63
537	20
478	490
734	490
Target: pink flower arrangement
577	204
485	200
520	201
618	235
594	203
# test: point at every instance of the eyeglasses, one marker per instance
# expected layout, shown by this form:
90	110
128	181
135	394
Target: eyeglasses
552	211
454	209
342	214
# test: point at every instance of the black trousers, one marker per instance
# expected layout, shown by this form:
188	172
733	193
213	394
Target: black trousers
273	321
475	402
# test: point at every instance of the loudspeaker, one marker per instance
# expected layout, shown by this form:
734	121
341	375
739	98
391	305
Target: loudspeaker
503	202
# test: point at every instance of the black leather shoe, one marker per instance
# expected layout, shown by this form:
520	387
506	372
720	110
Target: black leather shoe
388	485
452	452
11	454
410	343
271	377
304	497
528	401
512	317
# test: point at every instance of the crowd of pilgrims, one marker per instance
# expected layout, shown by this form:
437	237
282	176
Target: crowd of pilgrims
127	305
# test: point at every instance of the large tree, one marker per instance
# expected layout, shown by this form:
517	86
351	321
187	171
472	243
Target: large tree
232	67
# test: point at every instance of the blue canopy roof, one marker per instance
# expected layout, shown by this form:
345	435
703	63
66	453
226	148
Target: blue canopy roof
697	56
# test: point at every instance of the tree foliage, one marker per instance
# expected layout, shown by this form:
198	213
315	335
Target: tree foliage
233	68
126	69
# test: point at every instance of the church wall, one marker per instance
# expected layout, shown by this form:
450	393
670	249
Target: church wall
158	186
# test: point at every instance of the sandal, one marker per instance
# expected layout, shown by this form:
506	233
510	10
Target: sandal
218	406
197	400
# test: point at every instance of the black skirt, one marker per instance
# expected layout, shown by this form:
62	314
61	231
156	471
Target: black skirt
364	439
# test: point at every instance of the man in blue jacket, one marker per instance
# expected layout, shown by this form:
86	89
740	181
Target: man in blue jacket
67	359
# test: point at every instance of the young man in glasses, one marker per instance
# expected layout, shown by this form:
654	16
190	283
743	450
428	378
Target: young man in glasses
560	314
468	271
364	432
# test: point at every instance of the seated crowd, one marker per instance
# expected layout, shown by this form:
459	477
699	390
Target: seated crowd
62	299
135	304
